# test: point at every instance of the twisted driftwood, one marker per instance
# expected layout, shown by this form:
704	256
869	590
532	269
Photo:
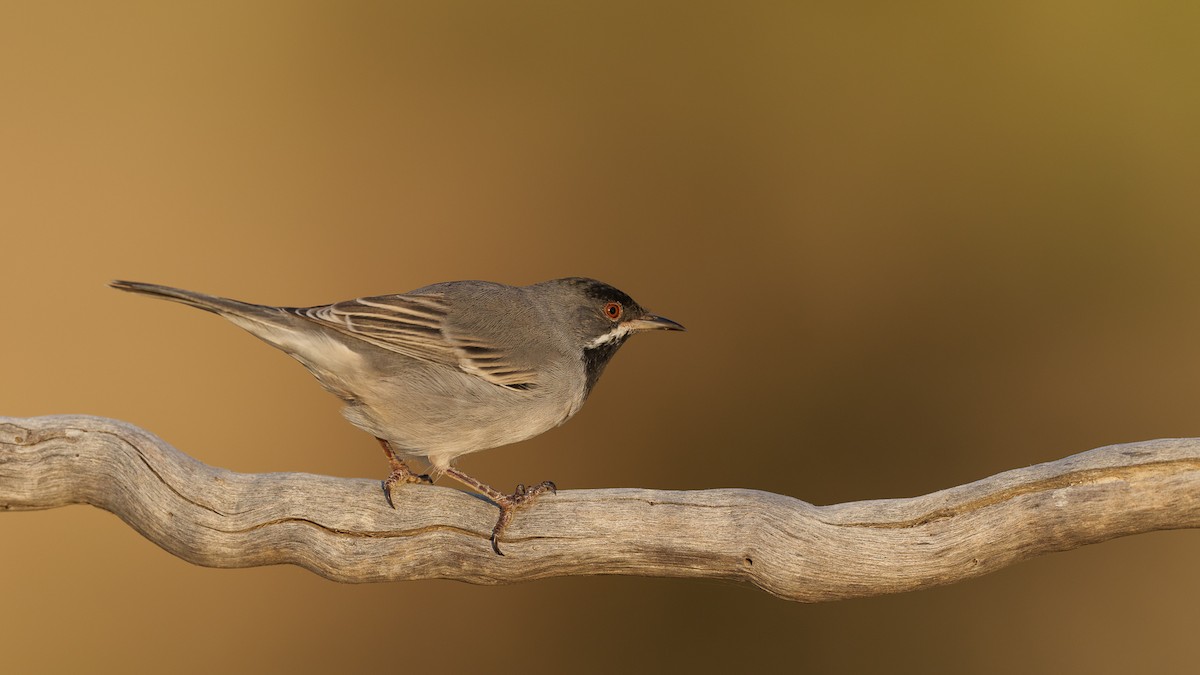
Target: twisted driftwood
341	528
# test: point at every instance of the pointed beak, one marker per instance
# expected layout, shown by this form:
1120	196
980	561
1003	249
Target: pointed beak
652	322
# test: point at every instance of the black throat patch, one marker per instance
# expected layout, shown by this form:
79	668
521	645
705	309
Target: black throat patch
595	358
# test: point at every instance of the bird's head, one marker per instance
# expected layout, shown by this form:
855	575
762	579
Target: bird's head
599	317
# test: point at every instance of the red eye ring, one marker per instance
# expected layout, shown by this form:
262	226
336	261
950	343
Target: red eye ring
613	310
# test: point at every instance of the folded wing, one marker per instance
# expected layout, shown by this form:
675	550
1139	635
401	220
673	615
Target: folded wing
416	326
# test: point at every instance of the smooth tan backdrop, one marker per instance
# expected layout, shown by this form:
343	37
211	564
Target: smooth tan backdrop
914	243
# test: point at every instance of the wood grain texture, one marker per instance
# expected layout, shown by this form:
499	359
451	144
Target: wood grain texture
342	529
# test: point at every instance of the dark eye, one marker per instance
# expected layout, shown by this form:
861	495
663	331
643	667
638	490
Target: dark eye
613	310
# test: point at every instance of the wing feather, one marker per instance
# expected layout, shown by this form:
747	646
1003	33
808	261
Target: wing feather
416	326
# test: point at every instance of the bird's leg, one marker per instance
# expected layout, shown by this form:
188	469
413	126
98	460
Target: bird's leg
507	503
400	472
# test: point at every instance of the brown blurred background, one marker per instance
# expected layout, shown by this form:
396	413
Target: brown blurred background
915	244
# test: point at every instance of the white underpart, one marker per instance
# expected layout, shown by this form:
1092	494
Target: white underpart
312	348
621	330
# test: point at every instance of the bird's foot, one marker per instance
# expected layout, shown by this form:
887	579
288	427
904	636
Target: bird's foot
507	503
400	475
510	503
400	472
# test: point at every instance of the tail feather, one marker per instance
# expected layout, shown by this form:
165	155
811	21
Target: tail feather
322	350
203	301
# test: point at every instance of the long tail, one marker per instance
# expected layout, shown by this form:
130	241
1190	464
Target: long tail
320	349
210	303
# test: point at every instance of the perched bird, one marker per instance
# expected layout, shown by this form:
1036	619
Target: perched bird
451	368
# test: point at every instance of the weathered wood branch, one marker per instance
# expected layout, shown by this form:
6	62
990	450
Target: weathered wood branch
342	529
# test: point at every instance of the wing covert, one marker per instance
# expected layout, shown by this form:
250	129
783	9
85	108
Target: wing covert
416	326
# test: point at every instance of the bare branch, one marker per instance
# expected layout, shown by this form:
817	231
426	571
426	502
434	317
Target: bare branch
343	530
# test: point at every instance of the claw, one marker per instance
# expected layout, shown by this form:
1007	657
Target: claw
400	472
507	504
510	503
401	476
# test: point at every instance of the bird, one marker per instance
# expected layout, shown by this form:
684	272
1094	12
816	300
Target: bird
451	368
